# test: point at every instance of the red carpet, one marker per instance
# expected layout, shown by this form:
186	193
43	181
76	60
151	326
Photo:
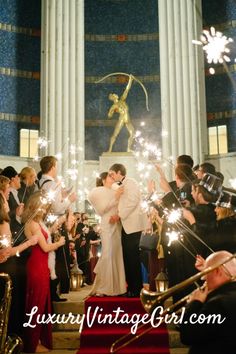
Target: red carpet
99	337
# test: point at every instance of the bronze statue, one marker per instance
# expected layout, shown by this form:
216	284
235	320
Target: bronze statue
120	106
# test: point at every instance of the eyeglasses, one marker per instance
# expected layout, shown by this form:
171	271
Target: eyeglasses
227	272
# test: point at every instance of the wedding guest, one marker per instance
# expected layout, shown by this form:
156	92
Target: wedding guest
49	183
38	339
28	177
15	268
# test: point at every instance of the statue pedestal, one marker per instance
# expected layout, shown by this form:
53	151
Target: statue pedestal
107	159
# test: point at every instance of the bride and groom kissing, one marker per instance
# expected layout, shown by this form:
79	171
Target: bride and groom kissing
116	199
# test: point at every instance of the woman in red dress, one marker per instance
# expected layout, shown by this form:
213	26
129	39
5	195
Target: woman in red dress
39	338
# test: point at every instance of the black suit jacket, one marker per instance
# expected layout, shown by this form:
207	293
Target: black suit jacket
212	338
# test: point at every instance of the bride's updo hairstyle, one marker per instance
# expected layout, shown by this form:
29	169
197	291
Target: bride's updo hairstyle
101	178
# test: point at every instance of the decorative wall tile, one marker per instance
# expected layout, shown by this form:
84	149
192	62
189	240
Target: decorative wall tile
23	13
121	17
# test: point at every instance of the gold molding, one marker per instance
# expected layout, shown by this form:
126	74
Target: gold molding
19	118
20	73
115	79
20	30
122	37
221	115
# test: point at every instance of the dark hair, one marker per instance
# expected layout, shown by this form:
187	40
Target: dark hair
220	176
185	159
184	172
100	179
118	167
207	167
3	214
47	162
196	168
208	197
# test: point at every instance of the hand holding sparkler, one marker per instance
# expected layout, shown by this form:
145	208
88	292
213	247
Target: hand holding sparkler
200	263
164	184
189	216
5	253
20	209
72	197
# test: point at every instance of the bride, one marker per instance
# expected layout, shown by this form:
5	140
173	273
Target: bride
110	273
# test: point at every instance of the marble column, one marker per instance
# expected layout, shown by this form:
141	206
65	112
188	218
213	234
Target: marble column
62	82
182	79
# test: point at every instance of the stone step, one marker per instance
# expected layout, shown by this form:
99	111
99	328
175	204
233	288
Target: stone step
75	307
174	339
66	340
176	351
66	326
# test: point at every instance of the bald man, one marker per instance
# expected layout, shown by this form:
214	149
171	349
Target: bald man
201	331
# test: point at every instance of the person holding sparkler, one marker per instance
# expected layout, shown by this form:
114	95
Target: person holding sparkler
49	184
14	267
38	274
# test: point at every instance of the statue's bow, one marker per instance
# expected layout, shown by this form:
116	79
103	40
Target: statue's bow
135	78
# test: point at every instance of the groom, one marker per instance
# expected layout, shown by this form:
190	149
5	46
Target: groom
133	222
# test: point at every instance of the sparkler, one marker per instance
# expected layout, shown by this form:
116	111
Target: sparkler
5	241
215	45
42	142
232	181
173	236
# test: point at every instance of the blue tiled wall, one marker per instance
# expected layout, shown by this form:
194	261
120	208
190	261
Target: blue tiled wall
141	58
220	93
22	13
18	95
125	16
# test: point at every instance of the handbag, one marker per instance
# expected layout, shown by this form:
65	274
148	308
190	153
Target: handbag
149	241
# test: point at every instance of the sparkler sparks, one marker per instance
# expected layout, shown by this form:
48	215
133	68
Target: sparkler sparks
215	45
5	241
42	142
173	216
232	181
173	236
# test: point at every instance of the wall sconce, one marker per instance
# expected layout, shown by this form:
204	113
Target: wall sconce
161	281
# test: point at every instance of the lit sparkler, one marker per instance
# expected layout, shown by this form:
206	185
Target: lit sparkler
173	236
232	181
5	241
215	45
42	142
51	218
173	216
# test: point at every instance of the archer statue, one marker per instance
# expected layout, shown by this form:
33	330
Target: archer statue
120	106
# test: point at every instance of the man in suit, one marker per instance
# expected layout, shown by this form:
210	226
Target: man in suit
133	222
217	298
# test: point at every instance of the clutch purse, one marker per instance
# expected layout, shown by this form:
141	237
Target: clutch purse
148	241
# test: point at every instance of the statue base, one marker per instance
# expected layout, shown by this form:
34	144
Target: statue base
107	159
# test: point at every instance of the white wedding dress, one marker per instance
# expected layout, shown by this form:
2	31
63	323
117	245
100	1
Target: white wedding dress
110	273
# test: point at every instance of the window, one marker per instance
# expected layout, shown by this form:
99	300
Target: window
28	142
217	138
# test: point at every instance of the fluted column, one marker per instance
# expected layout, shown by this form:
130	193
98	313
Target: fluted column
62	81
182	79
